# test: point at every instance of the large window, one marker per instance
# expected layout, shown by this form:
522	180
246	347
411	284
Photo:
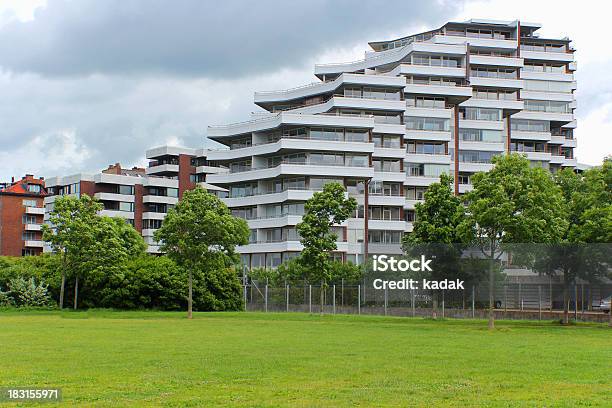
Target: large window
246	213
474	156
415	193
425	102
381	188
532	67
418	147
481	135
385	140
494	73
125	190
384	213
436	61
29	203
424	123
548	86
547	106
482	114
527	125
384	237
243	190
526	146
386	165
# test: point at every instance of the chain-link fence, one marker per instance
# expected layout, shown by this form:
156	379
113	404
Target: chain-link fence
531	301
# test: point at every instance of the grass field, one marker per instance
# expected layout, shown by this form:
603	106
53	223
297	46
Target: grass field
268	360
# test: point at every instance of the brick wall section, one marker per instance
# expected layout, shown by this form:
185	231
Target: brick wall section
139	192
88	187
11	225
185	171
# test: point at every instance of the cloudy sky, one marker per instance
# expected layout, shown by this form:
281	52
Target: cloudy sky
85	83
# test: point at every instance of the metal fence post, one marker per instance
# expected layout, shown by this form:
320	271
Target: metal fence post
334	299
539	302
342	293
443	303
287	290
550	293
309	298
473	302
520	295
359	299
505	298
413	306
266	298
576	302
386	300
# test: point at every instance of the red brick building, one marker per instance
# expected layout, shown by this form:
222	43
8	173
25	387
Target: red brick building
21	216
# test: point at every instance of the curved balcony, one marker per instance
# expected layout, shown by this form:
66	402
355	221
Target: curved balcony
318	88
274	121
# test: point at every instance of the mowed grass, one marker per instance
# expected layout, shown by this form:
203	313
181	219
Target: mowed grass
276	360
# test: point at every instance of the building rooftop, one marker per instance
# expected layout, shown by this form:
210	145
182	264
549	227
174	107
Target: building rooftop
28	185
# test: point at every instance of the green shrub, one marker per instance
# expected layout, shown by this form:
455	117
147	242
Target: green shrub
27	293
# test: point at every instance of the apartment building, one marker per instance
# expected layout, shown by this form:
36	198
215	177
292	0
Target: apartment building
21	216
387	126
140	196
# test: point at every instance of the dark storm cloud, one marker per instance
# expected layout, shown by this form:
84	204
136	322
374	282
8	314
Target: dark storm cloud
199	38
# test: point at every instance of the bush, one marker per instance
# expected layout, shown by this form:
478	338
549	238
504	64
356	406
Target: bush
27	293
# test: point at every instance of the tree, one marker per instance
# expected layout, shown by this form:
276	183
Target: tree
70	232
89	245
582	252
325	209
435	232
200	233
512	203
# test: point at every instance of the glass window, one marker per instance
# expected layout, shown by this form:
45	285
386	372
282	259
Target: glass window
126	190
29	203
123	206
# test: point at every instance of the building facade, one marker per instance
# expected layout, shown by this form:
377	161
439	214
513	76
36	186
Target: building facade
21	216
140	196
387	126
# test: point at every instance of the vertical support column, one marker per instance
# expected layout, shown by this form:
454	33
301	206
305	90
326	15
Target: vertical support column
413	305
366	200
184	176
287	292
456	154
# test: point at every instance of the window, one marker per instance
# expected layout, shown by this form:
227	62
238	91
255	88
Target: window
28	236
34	188
28	252
29	203
472	156
415	193
151	224
172	192
481	135
125	190
123	206
384	237
384	213
418	147
548	86
425	123
527	125
386	165
464	178
425	102
28	219
481	114
317	183
547	106
246	213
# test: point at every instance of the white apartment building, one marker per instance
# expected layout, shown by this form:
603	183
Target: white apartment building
388	125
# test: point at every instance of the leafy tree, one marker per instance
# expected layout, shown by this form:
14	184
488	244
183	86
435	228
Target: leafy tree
512	203
26	293
435	233
325	209
89	245
71	232
200	234
580	253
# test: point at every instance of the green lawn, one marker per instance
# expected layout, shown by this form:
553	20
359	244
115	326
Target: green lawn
270	360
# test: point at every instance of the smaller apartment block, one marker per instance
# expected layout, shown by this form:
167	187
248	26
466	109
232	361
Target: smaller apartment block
21	216
140	196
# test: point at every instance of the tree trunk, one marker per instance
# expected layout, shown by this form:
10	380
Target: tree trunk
565	298
492	288
76	292
322	292
190	298
61	299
